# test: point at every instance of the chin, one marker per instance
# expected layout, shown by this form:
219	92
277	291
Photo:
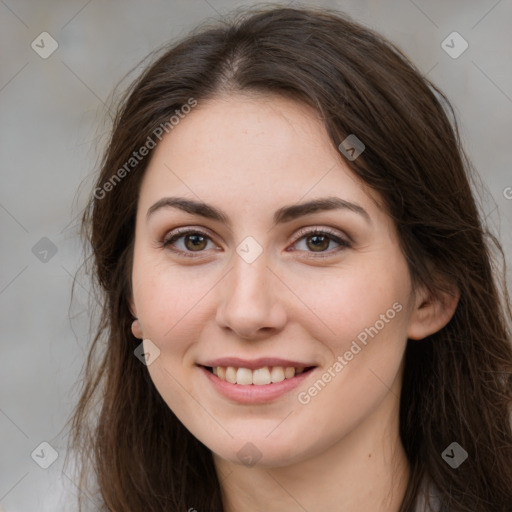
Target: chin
257	450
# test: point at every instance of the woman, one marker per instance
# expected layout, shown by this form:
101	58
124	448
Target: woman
299	306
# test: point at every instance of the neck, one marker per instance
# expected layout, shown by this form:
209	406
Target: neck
365	470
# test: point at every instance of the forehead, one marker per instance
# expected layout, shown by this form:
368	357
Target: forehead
257	147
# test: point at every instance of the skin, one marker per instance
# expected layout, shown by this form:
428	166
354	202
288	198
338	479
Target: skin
250	155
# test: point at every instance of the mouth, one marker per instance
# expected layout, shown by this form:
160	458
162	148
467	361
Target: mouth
255	386
263	376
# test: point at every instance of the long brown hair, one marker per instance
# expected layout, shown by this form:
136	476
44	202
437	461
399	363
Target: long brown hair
457	384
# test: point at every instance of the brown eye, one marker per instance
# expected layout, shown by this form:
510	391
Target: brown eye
187	242
194	242
318	241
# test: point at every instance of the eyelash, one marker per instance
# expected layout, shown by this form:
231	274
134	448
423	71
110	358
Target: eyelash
180	233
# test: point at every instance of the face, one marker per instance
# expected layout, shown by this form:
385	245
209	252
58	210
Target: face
260	287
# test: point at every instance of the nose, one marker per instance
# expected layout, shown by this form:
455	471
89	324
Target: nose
251	304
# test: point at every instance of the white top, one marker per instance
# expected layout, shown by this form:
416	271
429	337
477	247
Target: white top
421	502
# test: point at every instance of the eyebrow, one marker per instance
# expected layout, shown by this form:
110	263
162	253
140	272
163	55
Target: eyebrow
282	215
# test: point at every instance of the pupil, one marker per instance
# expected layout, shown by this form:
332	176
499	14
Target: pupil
318	244
196	240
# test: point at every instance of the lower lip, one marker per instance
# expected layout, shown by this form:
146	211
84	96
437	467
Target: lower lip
253	394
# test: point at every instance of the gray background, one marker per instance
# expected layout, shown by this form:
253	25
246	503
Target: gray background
52	130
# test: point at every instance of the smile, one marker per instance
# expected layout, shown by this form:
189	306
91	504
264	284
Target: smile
258	377
259	385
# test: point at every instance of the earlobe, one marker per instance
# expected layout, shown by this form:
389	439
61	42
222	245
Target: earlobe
432	313
136	329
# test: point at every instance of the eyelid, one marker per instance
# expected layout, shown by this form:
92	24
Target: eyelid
177	233
335	233
343	240
185	230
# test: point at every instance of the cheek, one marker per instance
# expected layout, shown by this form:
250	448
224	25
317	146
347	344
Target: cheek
368	311
168	300
354	299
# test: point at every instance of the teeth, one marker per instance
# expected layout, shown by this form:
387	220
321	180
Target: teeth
258	377
289	372
231	374
277	374
261	376
244	376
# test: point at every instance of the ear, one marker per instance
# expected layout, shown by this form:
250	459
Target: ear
132	307
431	312
136	327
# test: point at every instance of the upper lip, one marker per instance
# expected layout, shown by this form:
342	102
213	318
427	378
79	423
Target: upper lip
254	364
